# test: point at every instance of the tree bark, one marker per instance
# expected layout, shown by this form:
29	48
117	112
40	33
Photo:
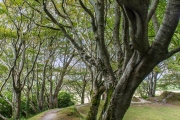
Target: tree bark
16	105
57	89
41	96
27	102
132	77
83	90
95	101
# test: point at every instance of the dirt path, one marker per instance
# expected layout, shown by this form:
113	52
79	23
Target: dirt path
141	101
50	115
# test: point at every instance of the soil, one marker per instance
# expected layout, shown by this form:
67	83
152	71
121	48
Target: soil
141	101
50	115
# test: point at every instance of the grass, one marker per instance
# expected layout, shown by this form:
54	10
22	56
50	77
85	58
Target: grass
37	117
153	112
135	112
69	113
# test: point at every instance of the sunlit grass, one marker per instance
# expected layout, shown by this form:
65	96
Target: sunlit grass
135	112
153	112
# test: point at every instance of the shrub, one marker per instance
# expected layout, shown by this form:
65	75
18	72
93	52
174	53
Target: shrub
65	99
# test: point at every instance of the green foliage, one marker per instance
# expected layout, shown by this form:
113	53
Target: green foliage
24	106
142	90
170	80
5	107
65	100
3	69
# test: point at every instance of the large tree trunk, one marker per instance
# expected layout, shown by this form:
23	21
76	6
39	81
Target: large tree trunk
133	75
145	58
16	105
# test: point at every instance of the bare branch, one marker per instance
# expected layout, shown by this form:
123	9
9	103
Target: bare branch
168	26
51	17
152	9
57	11
6	79
172	52
117	45
91	15
53	28
34	62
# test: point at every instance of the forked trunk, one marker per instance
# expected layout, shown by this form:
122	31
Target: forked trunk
136	70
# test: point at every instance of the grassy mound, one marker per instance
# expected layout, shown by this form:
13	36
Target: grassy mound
135	99
135	112
69	113
168	97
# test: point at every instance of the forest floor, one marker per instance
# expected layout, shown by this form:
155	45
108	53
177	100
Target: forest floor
163	107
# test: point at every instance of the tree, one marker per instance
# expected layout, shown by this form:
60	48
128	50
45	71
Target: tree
15	50
78	81
139	57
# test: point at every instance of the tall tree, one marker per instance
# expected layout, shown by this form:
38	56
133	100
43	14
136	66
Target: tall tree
140	55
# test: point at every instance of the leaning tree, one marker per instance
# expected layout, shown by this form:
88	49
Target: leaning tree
117	49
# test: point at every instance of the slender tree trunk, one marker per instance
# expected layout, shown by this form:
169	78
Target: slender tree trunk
82	97
41	99
150	77
83	90
16	105
95	101
51	95
27	103
83	94
37	86
57	89
154	84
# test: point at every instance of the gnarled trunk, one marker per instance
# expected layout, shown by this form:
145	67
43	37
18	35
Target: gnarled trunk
133	75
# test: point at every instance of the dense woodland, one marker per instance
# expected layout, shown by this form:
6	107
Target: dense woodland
56	53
